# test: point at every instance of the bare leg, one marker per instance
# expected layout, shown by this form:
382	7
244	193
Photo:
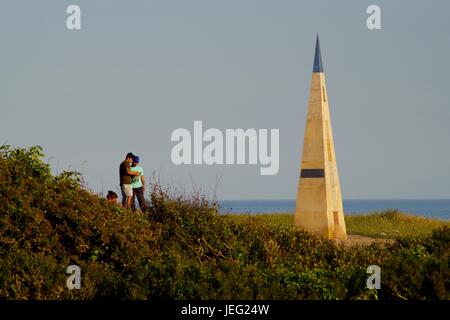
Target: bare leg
129	199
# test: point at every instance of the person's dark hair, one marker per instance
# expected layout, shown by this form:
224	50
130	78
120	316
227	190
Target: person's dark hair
111	195
129	155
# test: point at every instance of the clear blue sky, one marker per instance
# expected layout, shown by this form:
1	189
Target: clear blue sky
140	69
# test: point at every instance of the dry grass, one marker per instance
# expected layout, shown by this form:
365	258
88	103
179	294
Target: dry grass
377	224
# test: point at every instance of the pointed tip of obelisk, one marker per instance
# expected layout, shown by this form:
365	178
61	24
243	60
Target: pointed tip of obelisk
318	67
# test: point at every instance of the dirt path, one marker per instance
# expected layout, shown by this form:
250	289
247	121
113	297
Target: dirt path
354	240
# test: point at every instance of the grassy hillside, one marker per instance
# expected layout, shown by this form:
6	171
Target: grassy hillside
182	249
384	224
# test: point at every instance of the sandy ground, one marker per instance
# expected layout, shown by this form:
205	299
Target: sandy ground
354	240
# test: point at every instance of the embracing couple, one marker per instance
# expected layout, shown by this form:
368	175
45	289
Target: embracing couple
132	183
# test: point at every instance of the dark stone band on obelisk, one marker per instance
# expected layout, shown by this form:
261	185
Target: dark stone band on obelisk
312	173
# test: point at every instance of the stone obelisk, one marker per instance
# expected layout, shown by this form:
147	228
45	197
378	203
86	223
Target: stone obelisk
319	201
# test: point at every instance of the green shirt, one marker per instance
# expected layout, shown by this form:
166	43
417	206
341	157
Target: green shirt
136	180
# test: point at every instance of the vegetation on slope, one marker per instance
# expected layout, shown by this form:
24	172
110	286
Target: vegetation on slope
389	223
182	249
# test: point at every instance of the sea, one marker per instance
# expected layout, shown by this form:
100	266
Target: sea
431	208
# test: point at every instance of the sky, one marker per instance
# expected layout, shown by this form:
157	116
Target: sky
138	70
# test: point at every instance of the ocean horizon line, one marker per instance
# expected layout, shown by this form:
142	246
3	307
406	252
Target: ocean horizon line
432	208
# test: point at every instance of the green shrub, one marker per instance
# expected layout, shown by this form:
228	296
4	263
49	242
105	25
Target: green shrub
182	249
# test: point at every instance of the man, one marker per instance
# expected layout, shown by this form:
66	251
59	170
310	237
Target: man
125	180
138	184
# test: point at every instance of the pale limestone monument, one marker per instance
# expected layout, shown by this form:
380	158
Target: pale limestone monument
319	202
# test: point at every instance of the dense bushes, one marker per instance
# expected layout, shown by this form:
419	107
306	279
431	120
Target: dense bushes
182	249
